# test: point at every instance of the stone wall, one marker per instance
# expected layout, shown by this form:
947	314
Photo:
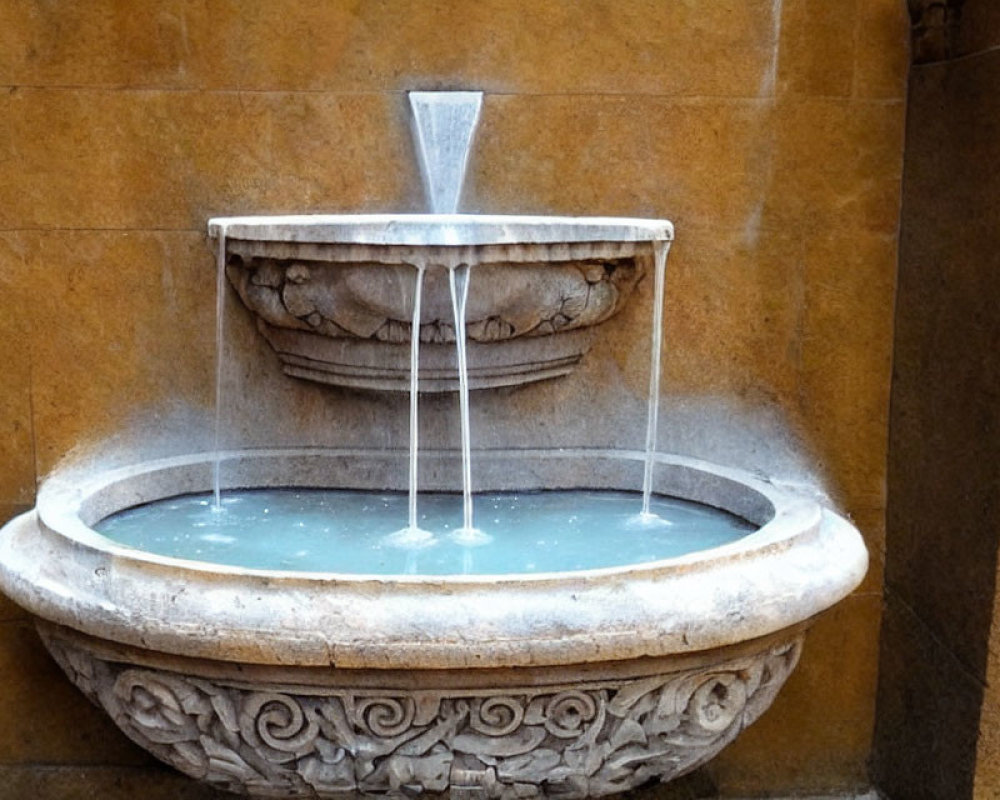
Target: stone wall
769	131
939	704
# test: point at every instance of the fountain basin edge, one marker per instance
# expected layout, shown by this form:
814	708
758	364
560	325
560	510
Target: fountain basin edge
802	560
571	684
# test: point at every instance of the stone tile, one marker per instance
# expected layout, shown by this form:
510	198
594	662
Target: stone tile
734	300
928	713
817	735
847	360
54	721
817	47
535	47
881	59
106	43
350	153
128	319
836	165
693	161
10	167
105	159
17	448
155	782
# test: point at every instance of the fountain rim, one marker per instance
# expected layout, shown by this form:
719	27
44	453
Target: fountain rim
795	566
440	230
62	505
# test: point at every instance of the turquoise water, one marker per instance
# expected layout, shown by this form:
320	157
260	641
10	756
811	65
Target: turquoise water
336	530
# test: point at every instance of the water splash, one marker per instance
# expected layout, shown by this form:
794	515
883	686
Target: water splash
443	126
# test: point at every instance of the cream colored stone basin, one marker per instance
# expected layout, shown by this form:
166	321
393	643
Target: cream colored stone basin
320	685
333	294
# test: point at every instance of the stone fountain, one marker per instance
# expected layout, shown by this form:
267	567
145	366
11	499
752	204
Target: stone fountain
574	682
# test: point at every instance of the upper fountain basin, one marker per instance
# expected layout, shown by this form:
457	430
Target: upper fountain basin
334	294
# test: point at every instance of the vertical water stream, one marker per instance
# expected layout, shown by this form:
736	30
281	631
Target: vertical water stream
220	305
418	290
443	126
458	282
660	249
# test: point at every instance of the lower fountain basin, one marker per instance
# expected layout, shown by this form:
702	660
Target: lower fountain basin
578	683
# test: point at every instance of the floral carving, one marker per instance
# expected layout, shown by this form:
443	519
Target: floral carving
342	301
589	739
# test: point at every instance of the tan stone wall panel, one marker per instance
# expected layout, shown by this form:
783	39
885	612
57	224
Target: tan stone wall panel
524	46
847	331
881	65
54	722
124	332
117	43
808	741
17	446
694	161
155	159
837	165
817	47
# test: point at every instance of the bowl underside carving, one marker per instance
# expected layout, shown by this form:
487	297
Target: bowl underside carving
585	738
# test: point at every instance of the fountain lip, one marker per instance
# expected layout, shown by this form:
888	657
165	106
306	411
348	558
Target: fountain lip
440	230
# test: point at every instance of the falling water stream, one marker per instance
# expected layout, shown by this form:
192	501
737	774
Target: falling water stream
458	282
660	250
220	306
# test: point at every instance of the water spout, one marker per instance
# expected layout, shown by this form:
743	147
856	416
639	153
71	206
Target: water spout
443	124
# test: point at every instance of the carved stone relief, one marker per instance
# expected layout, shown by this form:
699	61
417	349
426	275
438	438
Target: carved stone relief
592	738
337	322
506	300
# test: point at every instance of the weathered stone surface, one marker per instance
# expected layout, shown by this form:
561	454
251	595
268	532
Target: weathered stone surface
718	49
44	721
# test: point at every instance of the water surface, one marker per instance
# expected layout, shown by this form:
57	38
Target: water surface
336	530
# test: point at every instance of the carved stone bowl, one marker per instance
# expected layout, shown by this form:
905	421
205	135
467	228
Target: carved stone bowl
334	295
294	684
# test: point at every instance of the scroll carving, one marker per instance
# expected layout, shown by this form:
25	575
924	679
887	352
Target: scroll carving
570	741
